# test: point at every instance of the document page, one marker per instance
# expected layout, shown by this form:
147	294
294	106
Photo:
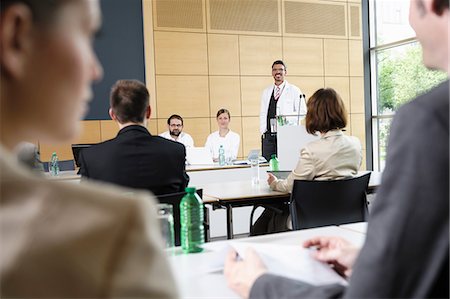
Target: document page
285	260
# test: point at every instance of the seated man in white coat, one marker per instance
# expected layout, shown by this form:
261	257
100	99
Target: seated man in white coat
175	132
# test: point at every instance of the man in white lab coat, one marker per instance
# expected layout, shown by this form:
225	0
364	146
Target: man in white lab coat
280	99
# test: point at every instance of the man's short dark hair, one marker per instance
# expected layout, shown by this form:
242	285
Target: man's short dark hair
174	116
279	62
129	100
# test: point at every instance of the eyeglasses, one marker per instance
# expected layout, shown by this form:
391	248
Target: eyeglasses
175	126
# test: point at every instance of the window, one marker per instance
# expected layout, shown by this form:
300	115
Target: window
397	72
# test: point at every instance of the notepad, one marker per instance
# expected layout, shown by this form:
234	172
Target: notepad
284	260
198	156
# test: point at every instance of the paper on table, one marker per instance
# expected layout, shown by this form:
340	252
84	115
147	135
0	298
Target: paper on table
285	260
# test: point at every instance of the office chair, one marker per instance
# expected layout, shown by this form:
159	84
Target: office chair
174	199
321	203
64	165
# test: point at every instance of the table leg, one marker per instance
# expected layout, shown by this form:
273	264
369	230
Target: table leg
229	222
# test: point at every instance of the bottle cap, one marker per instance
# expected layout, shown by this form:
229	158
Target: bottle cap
190	189
273	156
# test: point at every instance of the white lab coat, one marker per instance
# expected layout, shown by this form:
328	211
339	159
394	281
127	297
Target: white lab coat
289	103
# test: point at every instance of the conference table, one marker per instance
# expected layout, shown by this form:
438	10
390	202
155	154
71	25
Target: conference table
233	194
194	280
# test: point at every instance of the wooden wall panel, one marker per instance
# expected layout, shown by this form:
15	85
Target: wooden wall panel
251	90
187	96
179	15
336	57
199	129
257	53
152	126
356	58
63	150
223	54
342	87
90	132
149	54
179	53
108	129
308	85
307	18
358	128
224	92
250	134
244	17
357	94
354	21
303	56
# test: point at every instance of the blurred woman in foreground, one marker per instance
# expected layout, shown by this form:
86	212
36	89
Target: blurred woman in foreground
61	240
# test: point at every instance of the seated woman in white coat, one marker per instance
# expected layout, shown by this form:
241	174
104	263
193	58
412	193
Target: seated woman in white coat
224	136
333	156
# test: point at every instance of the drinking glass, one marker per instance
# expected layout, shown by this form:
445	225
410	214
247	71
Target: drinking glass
165	219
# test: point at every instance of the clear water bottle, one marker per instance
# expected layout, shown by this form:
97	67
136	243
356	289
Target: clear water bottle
191	218
53	165
221	156
273	163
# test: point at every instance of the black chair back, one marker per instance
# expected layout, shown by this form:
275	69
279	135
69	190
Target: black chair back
174	199
322	203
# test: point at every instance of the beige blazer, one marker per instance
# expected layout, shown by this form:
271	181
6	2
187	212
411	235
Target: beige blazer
63	240
333	156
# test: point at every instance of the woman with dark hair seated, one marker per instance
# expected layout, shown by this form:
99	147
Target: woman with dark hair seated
334	156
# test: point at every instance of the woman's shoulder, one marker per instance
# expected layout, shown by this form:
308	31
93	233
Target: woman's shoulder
233	134
213	134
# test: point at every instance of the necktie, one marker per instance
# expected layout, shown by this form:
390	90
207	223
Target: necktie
277	92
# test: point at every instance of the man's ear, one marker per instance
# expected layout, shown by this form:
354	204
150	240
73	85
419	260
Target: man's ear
16	33
148	112
112	114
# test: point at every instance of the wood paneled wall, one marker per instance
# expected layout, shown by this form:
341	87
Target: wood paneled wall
200	62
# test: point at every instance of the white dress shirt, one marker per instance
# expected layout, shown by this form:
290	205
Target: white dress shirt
289	103
183	138
230	144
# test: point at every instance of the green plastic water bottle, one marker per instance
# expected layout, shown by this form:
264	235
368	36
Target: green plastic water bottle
191	218
273	163
221	156
53	166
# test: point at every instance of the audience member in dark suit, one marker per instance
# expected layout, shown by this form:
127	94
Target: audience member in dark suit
135	158
406	252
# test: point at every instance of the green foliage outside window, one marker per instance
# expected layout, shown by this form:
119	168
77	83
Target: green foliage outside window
401	78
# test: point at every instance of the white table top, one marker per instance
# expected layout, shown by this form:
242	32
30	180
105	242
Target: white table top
193	282
239	190
360	227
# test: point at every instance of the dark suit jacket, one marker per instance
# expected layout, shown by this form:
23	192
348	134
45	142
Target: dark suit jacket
406	253
137	159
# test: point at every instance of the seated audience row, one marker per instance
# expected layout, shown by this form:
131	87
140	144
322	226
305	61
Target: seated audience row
224	137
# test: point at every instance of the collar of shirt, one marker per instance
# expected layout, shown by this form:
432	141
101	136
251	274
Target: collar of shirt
332	133
281	86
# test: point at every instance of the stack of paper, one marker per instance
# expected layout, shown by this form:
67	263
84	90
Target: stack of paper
285	260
